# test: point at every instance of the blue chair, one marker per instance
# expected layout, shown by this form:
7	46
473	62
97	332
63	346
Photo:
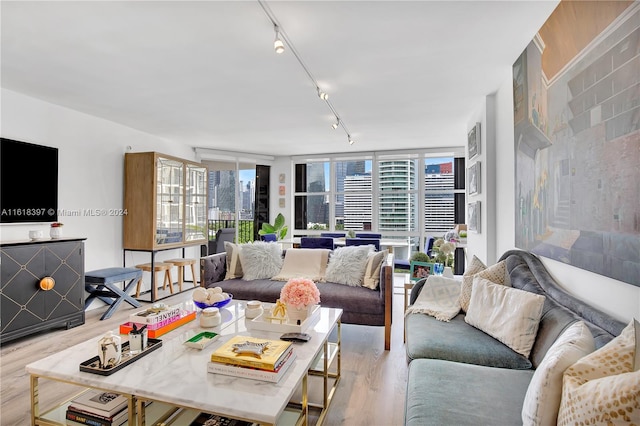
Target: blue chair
406	264
269	237
317	242
363	242
368	235
333	234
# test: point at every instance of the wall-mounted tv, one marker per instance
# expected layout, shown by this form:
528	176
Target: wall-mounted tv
28	182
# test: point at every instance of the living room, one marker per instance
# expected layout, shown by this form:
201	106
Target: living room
92	150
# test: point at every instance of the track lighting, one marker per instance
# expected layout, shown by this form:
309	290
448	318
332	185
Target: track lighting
322	95
278	45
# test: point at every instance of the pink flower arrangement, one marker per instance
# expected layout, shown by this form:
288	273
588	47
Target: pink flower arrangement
300	292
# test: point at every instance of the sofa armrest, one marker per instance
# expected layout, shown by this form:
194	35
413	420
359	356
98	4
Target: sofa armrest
213	269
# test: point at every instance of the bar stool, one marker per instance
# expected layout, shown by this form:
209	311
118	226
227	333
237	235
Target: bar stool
180	264
157	267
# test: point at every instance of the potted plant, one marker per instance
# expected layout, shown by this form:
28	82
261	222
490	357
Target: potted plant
278	228
299	295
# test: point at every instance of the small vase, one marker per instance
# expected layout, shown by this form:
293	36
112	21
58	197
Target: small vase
298	315
55	233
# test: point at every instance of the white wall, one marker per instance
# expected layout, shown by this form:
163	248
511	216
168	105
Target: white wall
91	173
614	297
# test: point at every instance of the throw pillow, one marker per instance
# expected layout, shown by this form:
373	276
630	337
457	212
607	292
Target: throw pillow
475	266
304	263
234	267
372	269
602	387
509	315
347	265
260	260
542	400
636	364
496	273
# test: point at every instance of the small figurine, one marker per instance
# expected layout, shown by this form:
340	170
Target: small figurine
279	311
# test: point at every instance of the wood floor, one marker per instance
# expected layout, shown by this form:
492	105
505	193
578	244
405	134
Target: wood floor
371	391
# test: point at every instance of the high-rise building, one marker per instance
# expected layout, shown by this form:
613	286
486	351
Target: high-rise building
397	206
357	201
317	206
439	206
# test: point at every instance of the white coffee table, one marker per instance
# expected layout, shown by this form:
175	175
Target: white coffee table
174	377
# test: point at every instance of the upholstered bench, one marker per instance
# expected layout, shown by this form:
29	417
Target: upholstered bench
101	284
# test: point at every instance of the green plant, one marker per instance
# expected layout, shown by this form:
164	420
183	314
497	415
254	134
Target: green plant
278	228
420	257
351	234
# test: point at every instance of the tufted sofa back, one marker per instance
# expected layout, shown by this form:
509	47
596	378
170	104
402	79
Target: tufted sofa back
560	309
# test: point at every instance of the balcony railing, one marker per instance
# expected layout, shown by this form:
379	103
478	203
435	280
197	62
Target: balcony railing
245	230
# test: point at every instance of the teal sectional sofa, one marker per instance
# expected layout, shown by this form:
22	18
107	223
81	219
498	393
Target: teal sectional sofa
459	375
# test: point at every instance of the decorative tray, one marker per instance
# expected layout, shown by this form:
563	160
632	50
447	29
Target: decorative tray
92	365
202	340
265	323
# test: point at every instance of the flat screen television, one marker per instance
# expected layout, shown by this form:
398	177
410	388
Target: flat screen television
28	182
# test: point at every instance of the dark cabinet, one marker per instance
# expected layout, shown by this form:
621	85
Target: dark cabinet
27	305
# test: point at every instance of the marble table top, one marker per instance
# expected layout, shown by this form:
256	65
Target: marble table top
177	374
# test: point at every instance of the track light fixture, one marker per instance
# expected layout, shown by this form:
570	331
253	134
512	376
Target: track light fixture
278	45
322	95
281	40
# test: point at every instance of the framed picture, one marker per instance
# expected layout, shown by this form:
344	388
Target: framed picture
420	270
473	214
282	190
281	203
473	174
474	141
281	178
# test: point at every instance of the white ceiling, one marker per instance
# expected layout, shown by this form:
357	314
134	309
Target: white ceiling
204	73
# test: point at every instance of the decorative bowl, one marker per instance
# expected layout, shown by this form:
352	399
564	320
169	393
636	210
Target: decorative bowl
219	304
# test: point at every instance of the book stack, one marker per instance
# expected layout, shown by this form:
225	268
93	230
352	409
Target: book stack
238	357
97	408
158	323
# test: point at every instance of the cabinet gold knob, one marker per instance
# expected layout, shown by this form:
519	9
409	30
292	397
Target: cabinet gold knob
47	283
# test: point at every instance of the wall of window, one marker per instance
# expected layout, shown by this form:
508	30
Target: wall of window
401	195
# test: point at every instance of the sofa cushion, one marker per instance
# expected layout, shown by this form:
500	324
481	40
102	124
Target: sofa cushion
372	269
495	273
304	263
602	387
347	265
543	396
426	337
475	266
508	314
234	265
448	393
260	260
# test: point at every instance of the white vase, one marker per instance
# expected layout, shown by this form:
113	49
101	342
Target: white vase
448	273
298	314
56	232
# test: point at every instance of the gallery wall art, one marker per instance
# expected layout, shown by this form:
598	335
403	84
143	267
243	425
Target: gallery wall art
577	139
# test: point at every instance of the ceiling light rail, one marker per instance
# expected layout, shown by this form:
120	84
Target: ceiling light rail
281	41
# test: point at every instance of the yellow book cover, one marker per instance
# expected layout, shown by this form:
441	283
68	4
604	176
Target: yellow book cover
269	358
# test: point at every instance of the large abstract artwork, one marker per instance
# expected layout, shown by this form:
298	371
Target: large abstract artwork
577	139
